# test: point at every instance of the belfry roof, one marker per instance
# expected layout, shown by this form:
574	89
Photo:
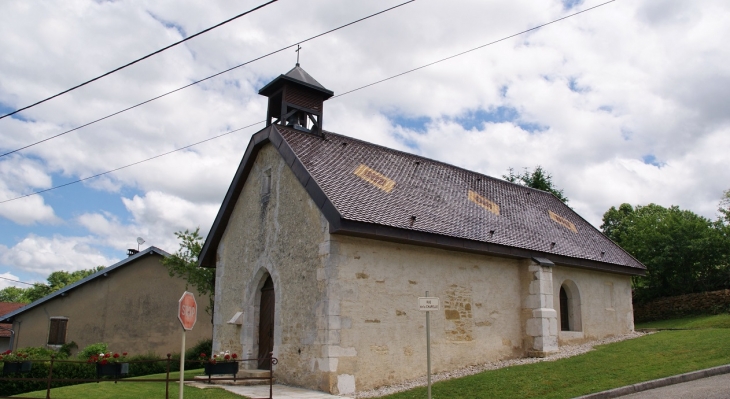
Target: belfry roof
296	75
372	191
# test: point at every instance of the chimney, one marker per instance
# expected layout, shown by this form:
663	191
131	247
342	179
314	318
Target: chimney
295	100
132	251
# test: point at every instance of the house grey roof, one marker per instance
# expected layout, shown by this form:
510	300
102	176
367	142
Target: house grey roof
101	273
297	75
372	191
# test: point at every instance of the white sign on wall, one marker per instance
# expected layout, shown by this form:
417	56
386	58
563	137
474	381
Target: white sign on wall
428	304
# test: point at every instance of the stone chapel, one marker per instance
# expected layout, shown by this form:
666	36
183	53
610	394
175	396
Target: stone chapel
323	244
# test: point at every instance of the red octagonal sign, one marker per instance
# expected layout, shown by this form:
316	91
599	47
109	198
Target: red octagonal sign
187	310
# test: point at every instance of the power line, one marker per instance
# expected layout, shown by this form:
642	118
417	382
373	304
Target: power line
470	50
16	281
340	95
132	164
204	79
140	59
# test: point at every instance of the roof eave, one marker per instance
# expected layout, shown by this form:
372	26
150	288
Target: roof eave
405	236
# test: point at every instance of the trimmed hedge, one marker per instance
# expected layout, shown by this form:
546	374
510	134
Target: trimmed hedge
85	370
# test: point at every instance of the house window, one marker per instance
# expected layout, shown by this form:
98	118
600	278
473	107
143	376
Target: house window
57	332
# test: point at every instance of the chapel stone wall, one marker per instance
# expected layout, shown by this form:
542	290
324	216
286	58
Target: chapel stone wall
383	336
275	228
603	299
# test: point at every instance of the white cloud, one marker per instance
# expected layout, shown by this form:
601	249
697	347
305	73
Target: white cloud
5	280
605	89
155	217
20	176
45	255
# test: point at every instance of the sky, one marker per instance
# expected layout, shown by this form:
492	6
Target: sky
625	103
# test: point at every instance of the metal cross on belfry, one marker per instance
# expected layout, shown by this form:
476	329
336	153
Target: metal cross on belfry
297	50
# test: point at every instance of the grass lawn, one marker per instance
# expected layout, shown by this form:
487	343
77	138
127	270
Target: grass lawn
692	322
609	366
132	390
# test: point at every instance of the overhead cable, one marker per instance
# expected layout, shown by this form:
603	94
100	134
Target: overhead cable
204	79
132	164
470	50
340	95
139	59
17	281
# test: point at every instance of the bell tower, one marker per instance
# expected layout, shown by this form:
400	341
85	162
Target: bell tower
296	100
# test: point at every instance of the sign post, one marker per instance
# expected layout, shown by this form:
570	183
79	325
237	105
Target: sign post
427	304
187	313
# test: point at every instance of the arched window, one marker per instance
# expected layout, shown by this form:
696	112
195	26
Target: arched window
570	309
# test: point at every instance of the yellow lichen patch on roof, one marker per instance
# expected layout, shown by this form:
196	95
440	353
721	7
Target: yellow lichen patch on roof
562	221
375	178
483	202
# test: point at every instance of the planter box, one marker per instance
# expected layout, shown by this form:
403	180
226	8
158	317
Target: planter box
115	370
16	367
222	369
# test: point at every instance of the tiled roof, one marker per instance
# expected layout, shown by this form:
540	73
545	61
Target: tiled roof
369	190
437	194
7	307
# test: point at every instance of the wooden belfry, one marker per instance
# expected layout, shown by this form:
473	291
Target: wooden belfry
296	100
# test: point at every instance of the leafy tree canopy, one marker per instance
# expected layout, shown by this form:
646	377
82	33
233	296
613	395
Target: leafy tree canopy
184	264
539	178
683	252
56	281
724	208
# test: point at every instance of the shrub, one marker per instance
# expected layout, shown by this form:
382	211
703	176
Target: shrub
92	350
64	352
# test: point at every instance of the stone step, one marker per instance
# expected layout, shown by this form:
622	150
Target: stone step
253	374
253	377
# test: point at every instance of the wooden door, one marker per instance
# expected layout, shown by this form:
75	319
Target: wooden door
564	311
266	324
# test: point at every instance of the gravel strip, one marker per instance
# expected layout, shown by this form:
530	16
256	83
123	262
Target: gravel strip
564	352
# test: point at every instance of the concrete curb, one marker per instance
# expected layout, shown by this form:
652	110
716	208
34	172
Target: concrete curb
662	382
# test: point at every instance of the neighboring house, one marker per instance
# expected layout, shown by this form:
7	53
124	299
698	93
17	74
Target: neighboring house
131	305
324	243
6	329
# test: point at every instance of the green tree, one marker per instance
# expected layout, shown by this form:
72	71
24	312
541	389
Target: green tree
56	281
683	252
539	178
12	294
724	207
184	264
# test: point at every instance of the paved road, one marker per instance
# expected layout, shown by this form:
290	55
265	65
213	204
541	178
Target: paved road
717	387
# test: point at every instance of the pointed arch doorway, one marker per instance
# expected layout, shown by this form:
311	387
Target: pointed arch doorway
266	324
